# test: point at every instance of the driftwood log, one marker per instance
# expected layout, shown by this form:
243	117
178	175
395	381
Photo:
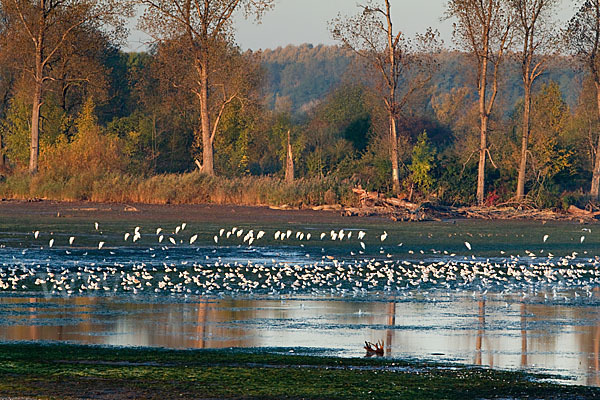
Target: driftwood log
374	204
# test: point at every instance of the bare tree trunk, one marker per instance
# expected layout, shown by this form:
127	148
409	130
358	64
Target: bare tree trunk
483	115
596	174
289	165
394	156
35	128
207	145
524	143
482	155
37	93
392	58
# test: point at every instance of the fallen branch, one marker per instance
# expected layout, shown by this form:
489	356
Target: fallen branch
398	209
374	348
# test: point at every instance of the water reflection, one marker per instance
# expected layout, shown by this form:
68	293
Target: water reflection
496	332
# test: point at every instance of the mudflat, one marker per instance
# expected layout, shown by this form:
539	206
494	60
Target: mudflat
209	213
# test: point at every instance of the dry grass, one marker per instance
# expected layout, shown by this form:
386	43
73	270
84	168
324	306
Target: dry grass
189	188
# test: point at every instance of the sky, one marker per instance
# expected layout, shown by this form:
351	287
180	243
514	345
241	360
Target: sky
306	21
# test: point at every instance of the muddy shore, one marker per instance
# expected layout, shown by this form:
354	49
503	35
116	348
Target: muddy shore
232	214
209	213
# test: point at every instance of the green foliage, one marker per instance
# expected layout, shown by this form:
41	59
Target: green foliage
140	136
16	128
136	134
578	199
423	158
282	123
56	123
373	172
87	122
69	168
552	155
455	181
233	141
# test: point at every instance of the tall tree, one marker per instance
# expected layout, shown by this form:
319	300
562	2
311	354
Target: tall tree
7	80
202	29
583	37
483	28
40	30
393	57
533	25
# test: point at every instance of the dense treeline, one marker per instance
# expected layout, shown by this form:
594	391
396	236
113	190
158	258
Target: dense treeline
141	126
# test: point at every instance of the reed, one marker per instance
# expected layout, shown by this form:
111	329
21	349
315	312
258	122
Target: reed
186	188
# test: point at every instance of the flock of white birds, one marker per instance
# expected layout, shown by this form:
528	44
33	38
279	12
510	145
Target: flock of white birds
356	274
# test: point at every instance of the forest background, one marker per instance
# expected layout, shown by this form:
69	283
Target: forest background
127	126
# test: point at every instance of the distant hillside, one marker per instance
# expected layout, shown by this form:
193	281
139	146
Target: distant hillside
299	76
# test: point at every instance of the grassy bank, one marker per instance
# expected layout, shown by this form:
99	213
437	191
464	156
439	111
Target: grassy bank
190	188
69	371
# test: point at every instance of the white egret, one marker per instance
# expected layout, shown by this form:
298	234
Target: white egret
546	238
51	243
36	234
172	240
100	245
383	236
96	225
71	240
160	238
126	236
193	239
468	245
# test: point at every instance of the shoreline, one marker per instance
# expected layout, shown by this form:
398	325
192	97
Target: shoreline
163	212
334	214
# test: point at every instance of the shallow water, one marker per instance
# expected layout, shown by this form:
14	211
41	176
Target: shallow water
512	301
559	339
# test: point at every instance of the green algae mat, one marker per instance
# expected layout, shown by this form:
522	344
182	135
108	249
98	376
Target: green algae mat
63	371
